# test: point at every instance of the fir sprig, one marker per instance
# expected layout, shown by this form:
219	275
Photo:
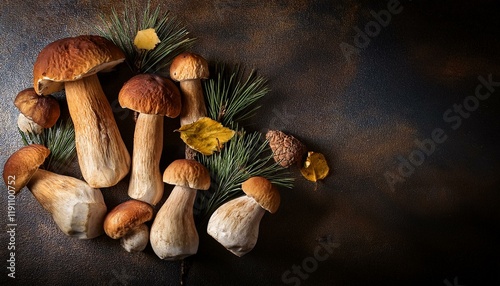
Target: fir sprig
244	156
59	139
231	94
122	28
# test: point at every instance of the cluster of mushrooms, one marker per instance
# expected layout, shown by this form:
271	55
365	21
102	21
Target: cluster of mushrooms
77	206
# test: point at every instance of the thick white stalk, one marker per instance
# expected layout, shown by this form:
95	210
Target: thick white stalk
235	224
77	209
103	157
146	182
173	234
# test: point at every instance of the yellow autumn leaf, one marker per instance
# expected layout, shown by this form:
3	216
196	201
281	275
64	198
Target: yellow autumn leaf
205	135
315	167
146	39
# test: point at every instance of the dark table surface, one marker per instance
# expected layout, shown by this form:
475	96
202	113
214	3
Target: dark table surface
395	94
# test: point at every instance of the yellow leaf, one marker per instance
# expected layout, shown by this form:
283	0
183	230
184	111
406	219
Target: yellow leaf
205	135
315	167
146	39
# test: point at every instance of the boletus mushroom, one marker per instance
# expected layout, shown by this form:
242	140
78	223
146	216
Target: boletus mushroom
72	64
235	224
77	209
188	69
153	97
127	222
36	111
173	233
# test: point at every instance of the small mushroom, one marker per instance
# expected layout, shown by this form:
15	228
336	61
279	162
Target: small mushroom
77	209
126	222
36	112
153	97
188	68
173	233
72	64
235	224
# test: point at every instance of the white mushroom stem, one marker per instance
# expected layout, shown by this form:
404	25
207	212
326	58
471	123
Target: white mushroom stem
77	209
173	233
146	182
235	224
136	240
193	101
27	125
103	157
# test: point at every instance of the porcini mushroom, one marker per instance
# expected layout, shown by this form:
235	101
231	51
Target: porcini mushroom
153	97
173	233
235	224
77	209
36	112
188	69
72	64
126	222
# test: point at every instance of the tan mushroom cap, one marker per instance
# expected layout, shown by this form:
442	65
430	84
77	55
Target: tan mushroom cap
264	193
151	94
43	110
188	66
22	164
187	173
125	217
71	59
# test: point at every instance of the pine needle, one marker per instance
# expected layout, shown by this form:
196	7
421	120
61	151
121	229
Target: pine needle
59	139
231	95
122	28
244	156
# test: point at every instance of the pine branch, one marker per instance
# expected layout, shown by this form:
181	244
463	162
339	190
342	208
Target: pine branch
122	28
244	156
231	96
59	139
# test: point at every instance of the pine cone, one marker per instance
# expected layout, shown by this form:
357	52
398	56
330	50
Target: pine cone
287	150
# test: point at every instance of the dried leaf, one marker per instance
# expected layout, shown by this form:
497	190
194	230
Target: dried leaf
315	167
146	39
205	135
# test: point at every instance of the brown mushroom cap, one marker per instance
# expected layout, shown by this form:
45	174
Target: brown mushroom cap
71	59
188	66
264	193
22	164
43	110
125	217
151	94
187	173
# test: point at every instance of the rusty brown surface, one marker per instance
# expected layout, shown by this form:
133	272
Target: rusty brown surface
435	226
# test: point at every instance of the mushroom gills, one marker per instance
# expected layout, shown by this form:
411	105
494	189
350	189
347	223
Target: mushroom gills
235	224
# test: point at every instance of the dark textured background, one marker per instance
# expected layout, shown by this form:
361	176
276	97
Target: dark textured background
438	227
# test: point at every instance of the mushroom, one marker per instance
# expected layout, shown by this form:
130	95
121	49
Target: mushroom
188	68
154	97
235	224
72	64
77	209
173	233
127	222
36	112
